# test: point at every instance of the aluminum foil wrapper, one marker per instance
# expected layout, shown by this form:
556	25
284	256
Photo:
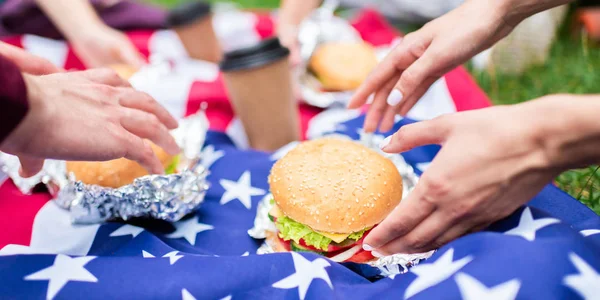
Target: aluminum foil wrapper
164	197
388	266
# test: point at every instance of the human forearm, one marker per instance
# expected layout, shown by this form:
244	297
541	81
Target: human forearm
292	12
568	127
72	17
515	11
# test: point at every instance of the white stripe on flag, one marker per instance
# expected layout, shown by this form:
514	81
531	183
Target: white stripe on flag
436	101
52	50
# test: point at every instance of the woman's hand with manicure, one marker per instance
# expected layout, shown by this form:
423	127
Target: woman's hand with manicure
492	161
423	56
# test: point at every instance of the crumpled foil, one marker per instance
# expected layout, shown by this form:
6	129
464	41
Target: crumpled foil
388	266
164	197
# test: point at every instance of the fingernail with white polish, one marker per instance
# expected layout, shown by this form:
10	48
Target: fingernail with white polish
370	98
367	247
376	254
394	98
385	142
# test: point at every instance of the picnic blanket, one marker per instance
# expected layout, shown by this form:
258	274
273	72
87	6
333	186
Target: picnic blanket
548	249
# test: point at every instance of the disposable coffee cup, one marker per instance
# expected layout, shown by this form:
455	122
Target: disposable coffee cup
193	24
259	83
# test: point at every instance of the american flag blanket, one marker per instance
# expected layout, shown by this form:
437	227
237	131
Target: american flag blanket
548	249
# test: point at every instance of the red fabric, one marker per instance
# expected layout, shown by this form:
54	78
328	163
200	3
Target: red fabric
464	90
18	214
374	28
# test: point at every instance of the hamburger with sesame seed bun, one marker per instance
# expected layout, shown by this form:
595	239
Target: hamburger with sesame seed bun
327	195
118	172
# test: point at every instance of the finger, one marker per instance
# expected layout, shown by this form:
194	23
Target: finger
104	76
414	135
406	216
422	238
147	126
378	107
456	232
141	152
27	62
387	123
30	166
376	80
139	100
408	103
131	56
415	74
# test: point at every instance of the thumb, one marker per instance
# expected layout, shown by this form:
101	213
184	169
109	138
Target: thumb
30	166
415	135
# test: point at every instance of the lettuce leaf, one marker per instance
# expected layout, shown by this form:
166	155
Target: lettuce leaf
358	235
172	168
292	230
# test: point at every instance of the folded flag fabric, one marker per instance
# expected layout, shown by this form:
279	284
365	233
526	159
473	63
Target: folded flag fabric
545	250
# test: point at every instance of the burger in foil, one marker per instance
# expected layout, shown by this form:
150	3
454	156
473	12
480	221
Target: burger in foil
119	172
327	195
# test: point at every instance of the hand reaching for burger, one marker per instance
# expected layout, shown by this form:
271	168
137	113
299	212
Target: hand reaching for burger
492	161
425	55
89	115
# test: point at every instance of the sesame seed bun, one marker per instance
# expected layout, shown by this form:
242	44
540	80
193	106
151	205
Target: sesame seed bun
343	66
114	173
335	185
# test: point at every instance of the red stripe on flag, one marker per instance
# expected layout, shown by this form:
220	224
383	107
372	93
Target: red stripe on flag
374	28
17	212
264	25
464	91
16	41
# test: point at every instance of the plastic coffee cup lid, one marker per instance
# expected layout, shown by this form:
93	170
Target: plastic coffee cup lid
188	13
264	53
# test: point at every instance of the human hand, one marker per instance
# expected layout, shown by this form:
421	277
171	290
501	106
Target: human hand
103	46
27	62
492	161
288	36
423	56
90	115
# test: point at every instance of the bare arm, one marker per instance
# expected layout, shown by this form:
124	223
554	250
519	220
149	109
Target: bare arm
72	17
95	43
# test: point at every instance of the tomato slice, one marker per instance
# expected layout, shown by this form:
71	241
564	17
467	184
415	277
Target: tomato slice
286	244
361	257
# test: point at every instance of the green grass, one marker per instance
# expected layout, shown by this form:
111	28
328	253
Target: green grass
572	68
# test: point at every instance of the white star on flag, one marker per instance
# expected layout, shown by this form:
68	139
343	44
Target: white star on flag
226	298
63	270
306	272
586	282
127	230
173	257
329	120
471	289
589	232
209	156
528	226
430	274
188	229
186	295
246	253
241	190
